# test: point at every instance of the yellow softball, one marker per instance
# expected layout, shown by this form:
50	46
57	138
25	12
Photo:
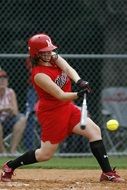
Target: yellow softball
112	125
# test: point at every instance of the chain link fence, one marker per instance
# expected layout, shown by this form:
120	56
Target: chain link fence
77	27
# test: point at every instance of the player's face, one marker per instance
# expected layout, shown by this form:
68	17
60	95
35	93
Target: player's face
45	56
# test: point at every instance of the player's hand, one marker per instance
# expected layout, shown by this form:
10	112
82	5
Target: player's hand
81	93
84	85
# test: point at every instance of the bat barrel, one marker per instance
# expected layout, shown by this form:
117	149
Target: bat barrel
83	120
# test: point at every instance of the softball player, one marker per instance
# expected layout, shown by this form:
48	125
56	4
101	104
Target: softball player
56	112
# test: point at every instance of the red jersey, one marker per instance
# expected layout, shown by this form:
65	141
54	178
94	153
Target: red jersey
46	101
57	118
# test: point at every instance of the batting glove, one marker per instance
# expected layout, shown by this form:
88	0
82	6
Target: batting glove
81	93
84	85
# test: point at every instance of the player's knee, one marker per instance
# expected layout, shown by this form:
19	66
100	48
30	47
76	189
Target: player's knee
97	133
98	130
43	156
47	157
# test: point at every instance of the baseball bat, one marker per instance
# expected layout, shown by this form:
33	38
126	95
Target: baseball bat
83	120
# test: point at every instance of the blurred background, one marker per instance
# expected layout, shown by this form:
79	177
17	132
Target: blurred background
92	37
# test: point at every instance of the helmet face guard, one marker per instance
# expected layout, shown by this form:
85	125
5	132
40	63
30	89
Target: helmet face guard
40	43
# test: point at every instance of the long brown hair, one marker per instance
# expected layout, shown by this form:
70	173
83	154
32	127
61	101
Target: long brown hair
34	61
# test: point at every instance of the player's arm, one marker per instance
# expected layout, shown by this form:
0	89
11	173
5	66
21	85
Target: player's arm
72	73
45	82
5	109
13	103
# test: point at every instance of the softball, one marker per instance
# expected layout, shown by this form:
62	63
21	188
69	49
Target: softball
112	125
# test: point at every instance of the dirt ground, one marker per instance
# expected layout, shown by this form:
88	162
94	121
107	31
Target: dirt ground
54	179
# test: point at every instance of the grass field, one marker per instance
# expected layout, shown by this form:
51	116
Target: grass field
75	163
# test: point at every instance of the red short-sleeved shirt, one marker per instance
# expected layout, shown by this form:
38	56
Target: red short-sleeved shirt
57	118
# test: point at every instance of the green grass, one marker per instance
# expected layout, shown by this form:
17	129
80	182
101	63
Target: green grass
75	163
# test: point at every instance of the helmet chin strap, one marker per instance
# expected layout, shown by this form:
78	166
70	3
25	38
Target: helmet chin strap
40	57
54	56
43	60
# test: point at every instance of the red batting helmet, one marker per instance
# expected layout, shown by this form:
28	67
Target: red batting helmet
40	43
